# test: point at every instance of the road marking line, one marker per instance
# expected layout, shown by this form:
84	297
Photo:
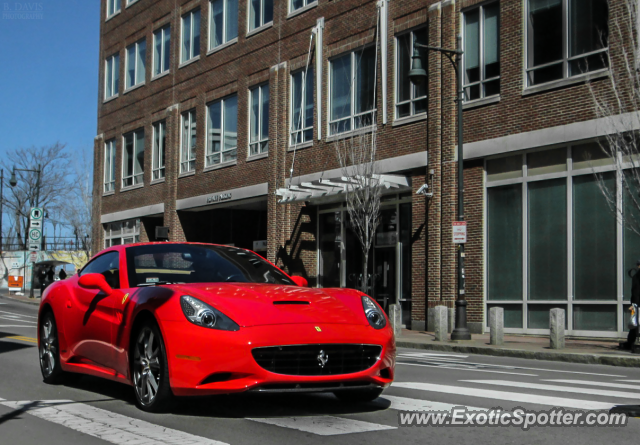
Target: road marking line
17	319
27	339
507	396
428	354
16	326
324	425
603	384
106	425
407	404
595	392
22	315
466	369
630	381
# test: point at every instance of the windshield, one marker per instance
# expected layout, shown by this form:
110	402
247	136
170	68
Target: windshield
198	263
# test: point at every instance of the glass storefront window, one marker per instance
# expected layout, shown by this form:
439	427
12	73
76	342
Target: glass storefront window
504	242
512	315
594	317
504	168
329	245
538	315
589	156
548	161
631	244
594	239
548	240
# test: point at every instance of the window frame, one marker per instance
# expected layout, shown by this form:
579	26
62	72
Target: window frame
189	161
566	59
158	172
109	174
111	10
210	153
261	143
352	116
307	4
115	81
137	178
250	27
133	236
136	72
292	131
225	24
481	56
192	55
165	52
413	99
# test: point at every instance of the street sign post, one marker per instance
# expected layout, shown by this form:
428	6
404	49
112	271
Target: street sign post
35	214
459	232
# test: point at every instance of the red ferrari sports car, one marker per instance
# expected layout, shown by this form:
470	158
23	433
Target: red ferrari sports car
188	319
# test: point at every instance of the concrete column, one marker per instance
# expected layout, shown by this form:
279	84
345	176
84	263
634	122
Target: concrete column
556	328
496	324
452	319
441	315
395	317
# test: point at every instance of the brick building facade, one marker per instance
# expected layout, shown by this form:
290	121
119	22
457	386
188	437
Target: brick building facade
198	129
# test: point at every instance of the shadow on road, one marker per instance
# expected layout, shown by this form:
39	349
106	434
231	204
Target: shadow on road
236	405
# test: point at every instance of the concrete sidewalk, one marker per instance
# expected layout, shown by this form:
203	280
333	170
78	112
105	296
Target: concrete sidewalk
577	350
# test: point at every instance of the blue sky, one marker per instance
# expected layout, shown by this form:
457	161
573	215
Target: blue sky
49	73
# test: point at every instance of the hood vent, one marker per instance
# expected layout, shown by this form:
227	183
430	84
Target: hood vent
290	302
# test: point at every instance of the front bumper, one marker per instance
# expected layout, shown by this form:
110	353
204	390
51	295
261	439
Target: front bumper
206	361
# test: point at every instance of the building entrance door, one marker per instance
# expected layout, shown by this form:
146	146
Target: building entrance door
384	273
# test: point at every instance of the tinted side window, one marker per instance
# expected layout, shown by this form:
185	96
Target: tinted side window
107	265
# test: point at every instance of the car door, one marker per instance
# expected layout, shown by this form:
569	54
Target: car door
90	314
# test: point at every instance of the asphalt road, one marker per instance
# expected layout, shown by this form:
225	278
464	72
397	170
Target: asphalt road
88	410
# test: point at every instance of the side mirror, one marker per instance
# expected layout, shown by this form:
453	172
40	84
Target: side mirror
95	281
300	281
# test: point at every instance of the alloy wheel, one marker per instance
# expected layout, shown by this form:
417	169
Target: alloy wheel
48	347
146	366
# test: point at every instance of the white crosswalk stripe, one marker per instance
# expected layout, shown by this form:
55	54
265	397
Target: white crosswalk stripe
595	392
106	425
603	384
503	395
324	425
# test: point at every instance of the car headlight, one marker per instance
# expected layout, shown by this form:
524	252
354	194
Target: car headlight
374	314
201	314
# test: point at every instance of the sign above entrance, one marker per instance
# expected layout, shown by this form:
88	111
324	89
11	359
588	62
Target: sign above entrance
459	232
219	197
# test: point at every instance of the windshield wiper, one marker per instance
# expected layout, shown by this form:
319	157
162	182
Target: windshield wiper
155	283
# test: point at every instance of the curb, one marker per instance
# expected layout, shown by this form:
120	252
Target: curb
34	302
569	357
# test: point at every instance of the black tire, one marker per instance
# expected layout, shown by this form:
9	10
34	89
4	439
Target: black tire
49	350
358	395
150	369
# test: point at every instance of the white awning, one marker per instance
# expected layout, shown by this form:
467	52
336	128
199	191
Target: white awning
320	188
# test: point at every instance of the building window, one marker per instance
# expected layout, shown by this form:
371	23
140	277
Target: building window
481	52
294	5
552	238
259	120
301	107
113	7
162	50
352	101
566	38
188	142
136	56
112	76
122	232
222	131
223	22
159	143
260	13
131	2
110	166
190	47
411	99
133	158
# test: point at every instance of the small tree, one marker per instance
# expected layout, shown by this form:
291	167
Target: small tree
78	216
618	105
357	158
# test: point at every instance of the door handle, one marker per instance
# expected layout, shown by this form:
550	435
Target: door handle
68	304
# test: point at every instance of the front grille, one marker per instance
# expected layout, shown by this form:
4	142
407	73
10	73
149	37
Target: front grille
323	359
